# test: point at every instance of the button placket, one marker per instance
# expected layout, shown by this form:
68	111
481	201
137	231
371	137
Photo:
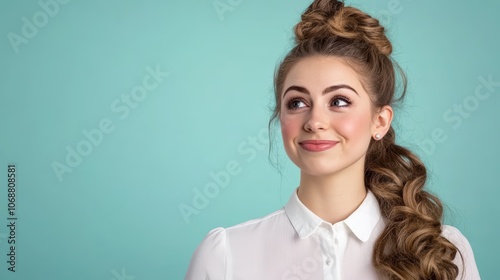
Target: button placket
338	239
326	239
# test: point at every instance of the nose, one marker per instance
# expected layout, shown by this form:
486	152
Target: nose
317	119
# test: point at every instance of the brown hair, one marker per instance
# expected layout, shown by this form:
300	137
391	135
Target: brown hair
411	245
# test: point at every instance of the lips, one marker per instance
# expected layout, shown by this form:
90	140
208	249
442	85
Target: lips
317	145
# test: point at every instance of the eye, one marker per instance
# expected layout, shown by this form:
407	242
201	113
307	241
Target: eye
293	103
341	101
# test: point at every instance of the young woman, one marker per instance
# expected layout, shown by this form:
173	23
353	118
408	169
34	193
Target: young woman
360	210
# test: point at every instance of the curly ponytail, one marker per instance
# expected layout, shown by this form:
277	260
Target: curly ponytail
411	245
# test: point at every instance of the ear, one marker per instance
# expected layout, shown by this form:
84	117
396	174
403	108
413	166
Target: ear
382	121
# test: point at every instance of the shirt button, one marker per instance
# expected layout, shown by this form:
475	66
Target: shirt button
328	261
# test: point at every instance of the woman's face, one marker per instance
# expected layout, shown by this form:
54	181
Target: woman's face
323	99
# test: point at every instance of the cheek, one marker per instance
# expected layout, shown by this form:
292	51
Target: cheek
289	128
353	125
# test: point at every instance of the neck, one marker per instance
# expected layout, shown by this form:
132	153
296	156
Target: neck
333	197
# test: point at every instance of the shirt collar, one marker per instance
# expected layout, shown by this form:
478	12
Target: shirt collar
361	222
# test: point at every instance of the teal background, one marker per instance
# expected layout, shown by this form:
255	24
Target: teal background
116	215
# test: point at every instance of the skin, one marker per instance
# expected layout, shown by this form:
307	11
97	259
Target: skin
332	181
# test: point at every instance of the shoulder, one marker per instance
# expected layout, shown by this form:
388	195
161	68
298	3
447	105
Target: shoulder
465	257
457	238
211	258
208	260
262	223
453	234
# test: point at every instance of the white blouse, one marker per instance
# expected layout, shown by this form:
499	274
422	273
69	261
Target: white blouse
294	244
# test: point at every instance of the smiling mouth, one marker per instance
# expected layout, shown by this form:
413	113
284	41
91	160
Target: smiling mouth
317	145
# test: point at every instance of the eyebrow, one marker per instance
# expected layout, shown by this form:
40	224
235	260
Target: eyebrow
327	90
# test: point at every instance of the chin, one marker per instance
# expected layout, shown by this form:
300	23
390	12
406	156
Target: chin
319	171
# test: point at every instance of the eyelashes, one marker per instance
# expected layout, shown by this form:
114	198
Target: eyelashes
338	101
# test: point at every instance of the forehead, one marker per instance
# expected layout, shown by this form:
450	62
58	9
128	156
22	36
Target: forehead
318	72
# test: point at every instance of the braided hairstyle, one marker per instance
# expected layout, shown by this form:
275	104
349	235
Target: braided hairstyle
411	245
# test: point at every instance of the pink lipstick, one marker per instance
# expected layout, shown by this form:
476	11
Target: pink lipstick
317	145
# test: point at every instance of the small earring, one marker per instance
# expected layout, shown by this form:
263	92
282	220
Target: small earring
378	136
